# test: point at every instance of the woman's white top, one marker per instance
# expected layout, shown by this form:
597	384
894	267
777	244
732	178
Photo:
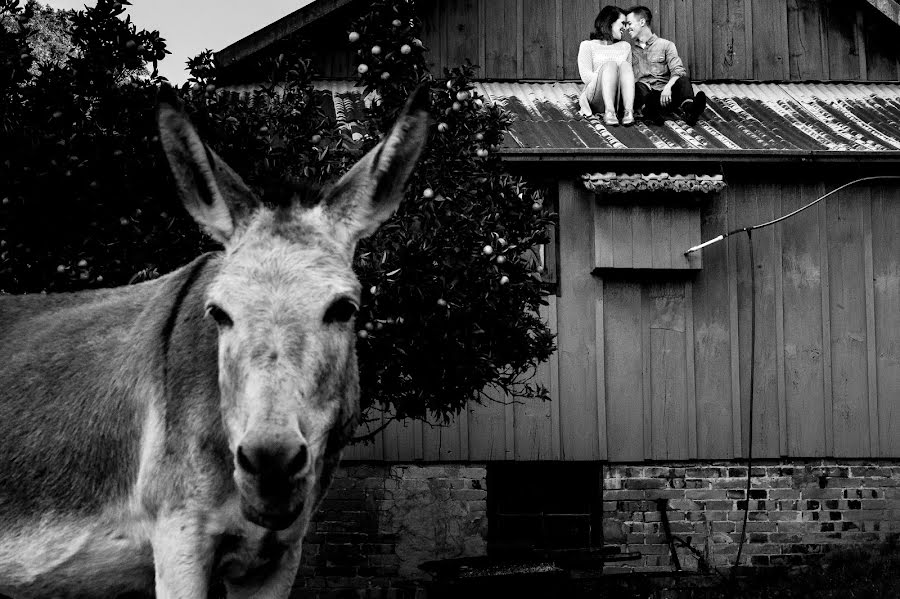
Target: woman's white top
593	54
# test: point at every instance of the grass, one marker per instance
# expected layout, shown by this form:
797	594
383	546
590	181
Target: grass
855	573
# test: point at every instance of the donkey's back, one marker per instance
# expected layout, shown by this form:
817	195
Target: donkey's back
79	378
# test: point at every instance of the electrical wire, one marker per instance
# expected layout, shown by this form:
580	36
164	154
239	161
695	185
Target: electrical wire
749	231
790	214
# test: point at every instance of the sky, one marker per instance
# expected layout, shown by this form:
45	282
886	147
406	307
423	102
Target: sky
191	26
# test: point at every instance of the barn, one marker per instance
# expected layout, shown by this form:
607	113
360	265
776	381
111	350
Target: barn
672	369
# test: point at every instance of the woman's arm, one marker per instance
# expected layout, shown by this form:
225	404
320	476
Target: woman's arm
626	50
585	62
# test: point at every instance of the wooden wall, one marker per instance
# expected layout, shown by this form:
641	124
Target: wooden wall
500	430
655	367
718	39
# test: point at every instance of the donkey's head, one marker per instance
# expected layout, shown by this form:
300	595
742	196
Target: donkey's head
284	301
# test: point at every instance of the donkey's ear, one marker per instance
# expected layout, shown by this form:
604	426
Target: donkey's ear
213	194
370	192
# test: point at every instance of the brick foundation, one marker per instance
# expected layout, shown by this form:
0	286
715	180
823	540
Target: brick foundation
379	522
797	511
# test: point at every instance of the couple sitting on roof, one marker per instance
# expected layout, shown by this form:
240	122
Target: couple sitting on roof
647	72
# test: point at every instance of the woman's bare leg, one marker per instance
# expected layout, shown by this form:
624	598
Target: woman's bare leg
626	85
609	82
588	98
584	104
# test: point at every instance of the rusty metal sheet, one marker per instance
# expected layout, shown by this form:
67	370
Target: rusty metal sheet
741	116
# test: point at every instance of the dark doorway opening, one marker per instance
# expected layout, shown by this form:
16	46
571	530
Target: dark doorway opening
544	506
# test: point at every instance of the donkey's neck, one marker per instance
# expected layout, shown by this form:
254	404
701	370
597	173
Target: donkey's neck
80	375
195	450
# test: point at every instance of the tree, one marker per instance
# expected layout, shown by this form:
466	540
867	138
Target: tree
83	197
452	289
457	261
50	41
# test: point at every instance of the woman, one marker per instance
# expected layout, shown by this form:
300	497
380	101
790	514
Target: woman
604	63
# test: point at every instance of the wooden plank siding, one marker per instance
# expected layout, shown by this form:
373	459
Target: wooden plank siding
808	58
656	366
731	44
848	323
460	34
770	50
578	292
886	274
843	52
717	39
577	23
625	399
638	236
500	46
712	342
539	39
804	357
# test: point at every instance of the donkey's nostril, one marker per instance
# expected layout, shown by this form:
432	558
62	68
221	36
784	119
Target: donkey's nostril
298	462
272	460
245	463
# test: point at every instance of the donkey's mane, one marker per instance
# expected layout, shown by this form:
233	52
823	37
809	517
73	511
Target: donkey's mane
289	192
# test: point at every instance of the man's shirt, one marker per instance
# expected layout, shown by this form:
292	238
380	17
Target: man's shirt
655	62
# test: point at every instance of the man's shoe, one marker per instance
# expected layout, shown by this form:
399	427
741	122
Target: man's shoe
653	116
628	118
694	108
611	119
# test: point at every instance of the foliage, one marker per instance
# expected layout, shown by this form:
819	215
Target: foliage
83	202
870	571
452	286
50	41
457	261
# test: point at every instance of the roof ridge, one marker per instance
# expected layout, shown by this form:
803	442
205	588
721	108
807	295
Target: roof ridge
889	8
277	30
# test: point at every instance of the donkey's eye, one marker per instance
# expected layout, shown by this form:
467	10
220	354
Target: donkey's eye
341	311
219	315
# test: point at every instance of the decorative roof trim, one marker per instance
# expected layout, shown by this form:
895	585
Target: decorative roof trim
621	183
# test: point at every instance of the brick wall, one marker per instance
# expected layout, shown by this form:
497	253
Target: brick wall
379	522
797	511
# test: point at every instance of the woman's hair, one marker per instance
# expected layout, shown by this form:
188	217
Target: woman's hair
603	23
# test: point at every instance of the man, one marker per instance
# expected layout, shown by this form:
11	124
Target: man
662	82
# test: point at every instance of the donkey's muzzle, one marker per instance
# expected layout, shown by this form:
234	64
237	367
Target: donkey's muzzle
277	460
272	471
272	520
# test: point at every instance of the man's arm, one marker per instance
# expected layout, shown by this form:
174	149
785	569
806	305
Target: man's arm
676	70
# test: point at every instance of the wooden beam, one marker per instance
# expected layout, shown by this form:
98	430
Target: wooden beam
690	373
871	351
600	336
826	324
280	29
889	8
861	45
737	410
520	39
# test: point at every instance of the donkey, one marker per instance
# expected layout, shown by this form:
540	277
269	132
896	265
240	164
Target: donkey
166	435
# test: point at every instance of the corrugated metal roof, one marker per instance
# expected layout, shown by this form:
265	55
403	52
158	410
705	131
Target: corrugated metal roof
771	117
743	120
